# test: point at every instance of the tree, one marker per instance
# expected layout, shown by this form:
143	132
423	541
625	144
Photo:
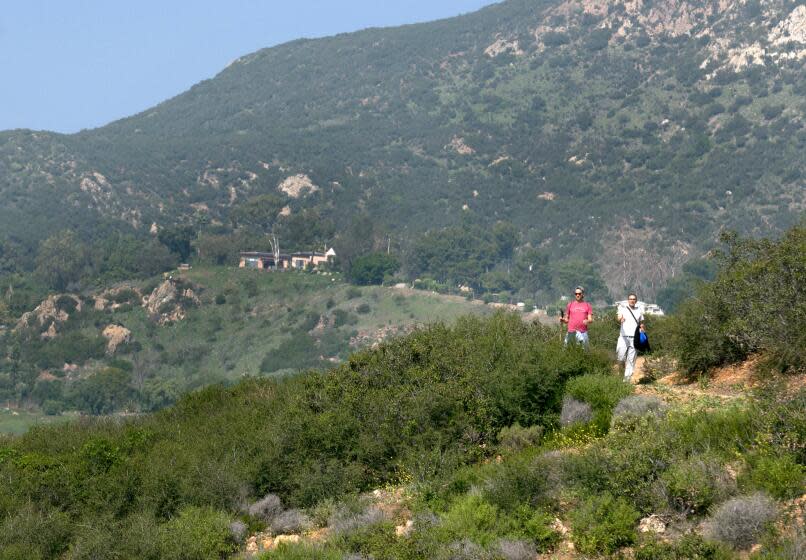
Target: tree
358	239
177	239
259	212
373	268
61	260
570	273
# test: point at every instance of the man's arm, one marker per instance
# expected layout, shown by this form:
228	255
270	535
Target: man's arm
589	319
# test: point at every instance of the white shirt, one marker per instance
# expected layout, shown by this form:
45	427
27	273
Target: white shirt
629	324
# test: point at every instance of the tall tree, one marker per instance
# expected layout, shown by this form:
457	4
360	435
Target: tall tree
61	260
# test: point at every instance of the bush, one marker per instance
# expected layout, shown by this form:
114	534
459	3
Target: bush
603	524
735	316
196	534
575	412
514	438
517	482
363	309
739	522
633	408
267	508
291	521
507	549
779	476
474	519
602	392
697	483
657	367
689	547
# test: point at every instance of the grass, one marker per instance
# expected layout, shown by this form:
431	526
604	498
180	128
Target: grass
19	421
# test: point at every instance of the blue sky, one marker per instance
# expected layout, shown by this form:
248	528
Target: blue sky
74	64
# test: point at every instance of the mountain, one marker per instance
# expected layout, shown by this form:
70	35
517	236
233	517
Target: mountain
627	133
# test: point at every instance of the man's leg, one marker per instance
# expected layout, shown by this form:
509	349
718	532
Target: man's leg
621	349
569	337
629	365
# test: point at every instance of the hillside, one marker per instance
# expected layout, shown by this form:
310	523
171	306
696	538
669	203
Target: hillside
141	346
595	128
486	439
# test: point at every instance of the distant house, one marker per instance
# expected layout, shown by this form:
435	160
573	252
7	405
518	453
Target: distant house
299	261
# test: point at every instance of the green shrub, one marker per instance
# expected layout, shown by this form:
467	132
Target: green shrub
196	533
515	438
778	475
603	524
753	305
302	552
475	519
697	483
363	309
689	547
602	392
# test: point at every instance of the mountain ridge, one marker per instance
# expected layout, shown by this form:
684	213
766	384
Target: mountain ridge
593	127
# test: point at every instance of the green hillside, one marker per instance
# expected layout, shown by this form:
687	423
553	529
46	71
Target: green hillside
485	440
236	323
592	128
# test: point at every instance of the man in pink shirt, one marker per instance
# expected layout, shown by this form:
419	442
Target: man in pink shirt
578	315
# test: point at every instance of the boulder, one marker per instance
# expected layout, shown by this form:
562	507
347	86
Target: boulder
116	335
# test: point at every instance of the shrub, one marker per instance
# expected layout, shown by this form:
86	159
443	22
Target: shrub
346	520
791	547
514	438
629	409
516	482
267	508
575	412
697	483
689	547
291	521
739	522
734	316
474	519
603	524
238	530
602	392
779	476
508	549
656	367
196	534
363	309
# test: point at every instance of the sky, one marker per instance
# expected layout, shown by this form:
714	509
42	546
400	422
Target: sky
67	65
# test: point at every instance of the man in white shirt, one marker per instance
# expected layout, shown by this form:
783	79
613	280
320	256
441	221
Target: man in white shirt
630	317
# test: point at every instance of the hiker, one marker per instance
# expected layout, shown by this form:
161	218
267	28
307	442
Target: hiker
578	315
631	318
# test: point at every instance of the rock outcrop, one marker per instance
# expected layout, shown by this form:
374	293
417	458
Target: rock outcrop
170	300
52	311
115	336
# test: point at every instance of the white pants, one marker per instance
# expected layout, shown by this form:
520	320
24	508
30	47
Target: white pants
625	352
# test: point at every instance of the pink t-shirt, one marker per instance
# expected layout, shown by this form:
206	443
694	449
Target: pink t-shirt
576	312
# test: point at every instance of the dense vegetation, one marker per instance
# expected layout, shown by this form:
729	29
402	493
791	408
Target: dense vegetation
586	135
424	410
755	304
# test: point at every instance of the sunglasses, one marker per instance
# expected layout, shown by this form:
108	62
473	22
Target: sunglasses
578	293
